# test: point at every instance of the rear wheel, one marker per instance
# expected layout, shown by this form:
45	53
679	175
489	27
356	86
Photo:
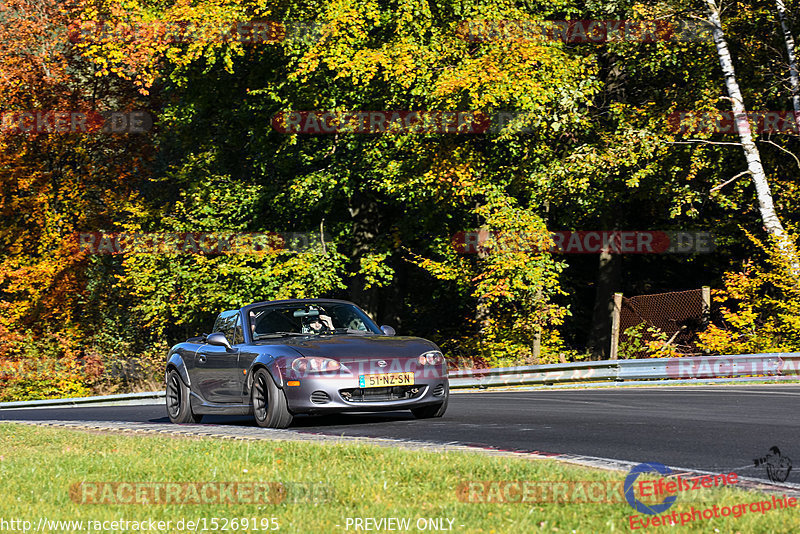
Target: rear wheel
179	407
269	402
435	410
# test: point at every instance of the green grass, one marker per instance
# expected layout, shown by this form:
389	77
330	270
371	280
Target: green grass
326	484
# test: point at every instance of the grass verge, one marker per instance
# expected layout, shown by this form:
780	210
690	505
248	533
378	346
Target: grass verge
321	486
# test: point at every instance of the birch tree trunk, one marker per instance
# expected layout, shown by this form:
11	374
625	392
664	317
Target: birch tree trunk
768	216
793	77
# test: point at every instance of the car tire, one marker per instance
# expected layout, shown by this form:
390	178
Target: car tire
428	412
269	402
179	406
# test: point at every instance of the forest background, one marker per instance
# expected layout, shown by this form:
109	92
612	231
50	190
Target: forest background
606	133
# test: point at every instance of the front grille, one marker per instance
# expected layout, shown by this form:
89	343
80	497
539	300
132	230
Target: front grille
382	394
438	391
320	397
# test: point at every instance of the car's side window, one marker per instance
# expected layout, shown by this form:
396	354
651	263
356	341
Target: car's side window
225	324
349	319
238	334
218	323
357	324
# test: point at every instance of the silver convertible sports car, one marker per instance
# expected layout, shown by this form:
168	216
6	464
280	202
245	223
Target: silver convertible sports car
313	356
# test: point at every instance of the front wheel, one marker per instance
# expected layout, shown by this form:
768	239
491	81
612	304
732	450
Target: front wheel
269	402
427	412
179	407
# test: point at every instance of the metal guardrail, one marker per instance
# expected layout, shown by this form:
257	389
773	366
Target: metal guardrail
676	369
100	400
534	374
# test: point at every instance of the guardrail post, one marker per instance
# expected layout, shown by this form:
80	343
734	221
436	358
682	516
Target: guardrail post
615	316
706	297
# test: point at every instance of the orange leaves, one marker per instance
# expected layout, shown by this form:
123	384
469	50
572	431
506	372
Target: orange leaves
131	41
32	42
54	183
452	174
522	73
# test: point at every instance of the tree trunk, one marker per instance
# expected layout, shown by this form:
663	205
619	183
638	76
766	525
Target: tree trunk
365	216
608	282
769	218
793	77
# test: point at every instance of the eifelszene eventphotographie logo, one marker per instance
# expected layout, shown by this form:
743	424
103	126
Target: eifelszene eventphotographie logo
630	483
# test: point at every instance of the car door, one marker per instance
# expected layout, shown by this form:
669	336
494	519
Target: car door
216	368
246	355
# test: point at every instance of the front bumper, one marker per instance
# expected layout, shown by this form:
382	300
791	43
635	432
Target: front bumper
323	394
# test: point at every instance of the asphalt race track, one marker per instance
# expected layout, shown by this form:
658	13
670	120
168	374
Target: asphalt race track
710	428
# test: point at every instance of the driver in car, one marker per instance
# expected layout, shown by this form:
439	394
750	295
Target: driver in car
316	324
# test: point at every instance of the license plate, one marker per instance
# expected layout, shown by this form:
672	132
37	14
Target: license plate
388	379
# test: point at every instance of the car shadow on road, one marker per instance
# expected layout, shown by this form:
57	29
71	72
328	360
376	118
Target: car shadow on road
349	419
308	421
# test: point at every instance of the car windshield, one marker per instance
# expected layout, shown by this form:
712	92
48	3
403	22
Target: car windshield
324	318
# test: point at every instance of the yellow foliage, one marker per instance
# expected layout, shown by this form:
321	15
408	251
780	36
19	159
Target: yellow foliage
760	306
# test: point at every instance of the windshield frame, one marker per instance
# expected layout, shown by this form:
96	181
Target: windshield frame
372	327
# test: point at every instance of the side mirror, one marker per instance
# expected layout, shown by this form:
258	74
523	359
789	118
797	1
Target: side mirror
387	330
218	339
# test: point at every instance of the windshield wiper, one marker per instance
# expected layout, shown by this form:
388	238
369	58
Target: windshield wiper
345	331
278	334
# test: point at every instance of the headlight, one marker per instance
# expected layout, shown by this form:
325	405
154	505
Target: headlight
315	365
433	357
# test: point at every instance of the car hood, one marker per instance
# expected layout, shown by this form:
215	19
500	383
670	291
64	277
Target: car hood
356	347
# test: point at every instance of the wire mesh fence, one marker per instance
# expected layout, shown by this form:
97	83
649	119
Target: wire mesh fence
662	324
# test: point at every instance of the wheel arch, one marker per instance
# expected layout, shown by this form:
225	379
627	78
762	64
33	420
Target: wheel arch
271	367
175	362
